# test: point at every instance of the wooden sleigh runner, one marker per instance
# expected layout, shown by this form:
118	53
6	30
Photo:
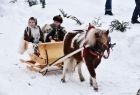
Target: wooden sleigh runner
49	53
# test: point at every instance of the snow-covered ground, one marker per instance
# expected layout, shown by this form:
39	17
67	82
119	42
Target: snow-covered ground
119	75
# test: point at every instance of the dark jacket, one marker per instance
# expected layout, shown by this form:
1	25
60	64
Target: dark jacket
137	2
57	33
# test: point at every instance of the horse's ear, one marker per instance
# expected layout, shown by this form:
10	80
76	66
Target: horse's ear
107	32
97	35
90	25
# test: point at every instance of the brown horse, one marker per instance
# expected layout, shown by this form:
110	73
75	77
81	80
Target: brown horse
97	40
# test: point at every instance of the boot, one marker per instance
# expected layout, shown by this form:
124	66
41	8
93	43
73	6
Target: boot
108	13
135	21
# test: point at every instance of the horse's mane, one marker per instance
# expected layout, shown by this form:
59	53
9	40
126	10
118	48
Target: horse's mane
90	37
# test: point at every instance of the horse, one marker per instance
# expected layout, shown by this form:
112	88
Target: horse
97	40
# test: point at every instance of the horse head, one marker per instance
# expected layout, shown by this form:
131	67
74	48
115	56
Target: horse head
102	39
98	36
93	34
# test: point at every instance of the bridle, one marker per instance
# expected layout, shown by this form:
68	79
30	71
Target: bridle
98	50
102	48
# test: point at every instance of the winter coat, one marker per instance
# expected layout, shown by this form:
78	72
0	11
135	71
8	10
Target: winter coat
57	33
33	35
137	2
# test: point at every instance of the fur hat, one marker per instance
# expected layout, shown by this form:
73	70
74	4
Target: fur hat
58	18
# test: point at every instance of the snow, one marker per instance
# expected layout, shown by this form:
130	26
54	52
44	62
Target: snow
119	75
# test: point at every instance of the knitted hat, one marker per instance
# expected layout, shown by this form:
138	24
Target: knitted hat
58	18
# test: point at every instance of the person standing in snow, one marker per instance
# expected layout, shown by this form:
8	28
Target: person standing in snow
138	93
32	2
108	7
54	31
136	13
43	2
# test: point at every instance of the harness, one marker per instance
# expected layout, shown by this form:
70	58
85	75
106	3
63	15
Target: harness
97	50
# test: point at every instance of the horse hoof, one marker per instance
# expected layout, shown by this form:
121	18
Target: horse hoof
63	80
91	84
96	89
44	72
82	80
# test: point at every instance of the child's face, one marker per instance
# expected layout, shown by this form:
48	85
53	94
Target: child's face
32	23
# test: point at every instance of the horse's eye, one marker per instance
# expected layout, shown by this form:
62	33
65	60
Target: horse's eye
97	35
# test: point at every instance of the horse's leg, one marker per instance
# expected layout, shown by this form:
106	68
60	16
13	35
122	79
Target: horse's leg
93	77
90	63
69	65
90	81
80	72
63	76
93	83
65	68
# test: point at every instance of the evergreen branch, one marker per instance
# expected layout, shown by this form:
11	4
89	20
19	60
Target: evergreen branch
97	22
13	1
120	26
70	17
63	13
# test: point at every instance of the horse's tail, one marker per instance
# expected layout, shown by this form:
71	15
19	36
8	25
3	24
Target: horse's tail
67	42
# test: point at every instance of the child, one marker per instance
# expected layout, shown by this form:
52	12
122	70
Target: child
32	36
33	32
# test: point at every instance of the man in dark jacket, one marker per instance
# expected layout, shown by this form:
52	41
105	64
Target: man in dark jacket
108	7
56	31
136	13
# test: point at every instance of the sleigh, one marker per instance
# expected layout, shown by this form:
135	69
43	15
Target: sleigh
49	52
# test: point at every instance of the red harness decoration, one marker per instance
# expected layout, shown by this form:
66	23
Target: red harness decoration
93	53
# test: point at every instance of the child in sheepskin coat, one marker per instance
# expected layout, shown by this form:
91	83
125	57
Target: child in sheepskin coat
32	37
